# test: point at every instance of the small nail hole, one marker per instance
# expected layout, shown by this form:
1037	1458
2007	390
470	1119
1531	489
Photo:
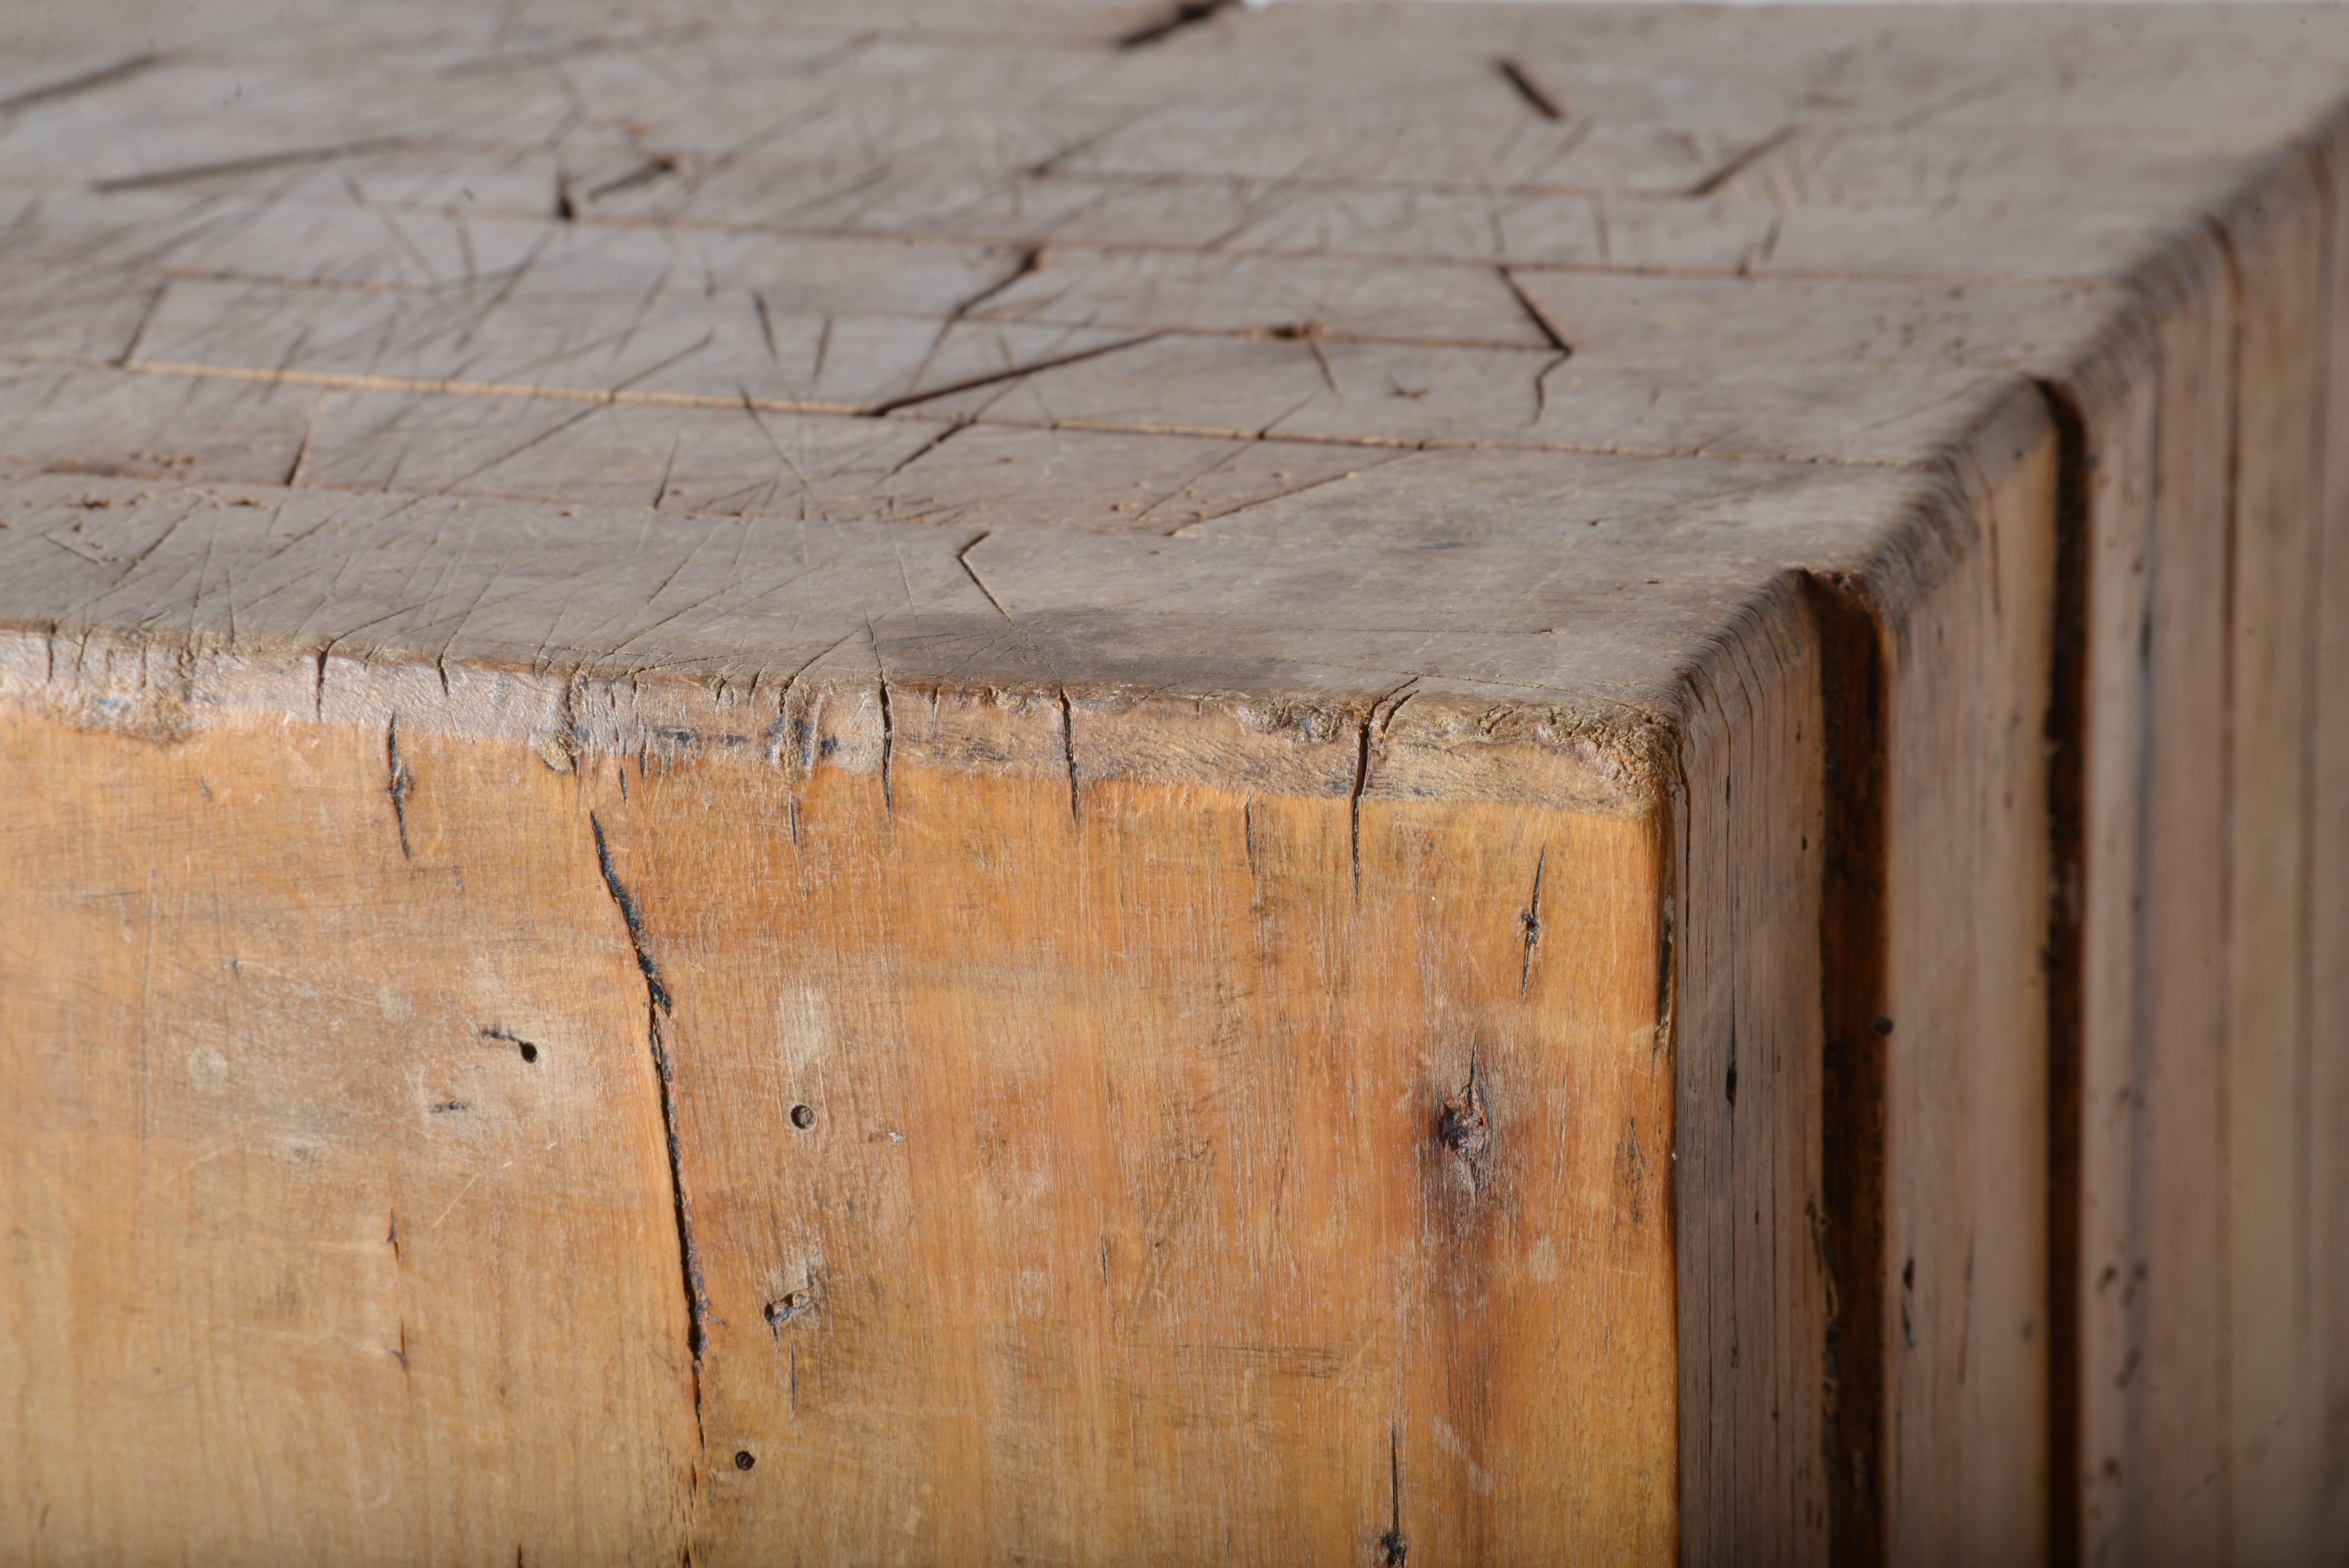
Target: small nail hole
1883	1025
529	1052
744	1458
802	1117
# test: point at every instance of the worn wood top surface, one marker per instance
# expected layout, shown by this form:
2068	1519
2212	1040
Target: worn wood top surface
1510	356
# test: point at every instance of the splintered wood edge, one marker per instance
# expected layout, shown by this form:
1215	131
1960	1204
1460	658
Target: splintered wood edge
1614	765
1427	738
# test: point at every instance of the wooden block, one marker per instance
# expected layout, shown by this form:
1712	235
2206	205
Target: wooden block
1467	784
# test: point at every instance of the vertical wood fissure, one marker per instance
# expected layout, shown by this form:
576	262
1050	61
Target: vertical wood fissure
2224	1479
2143	1215
398	782
2064	733
1854	942
657	1004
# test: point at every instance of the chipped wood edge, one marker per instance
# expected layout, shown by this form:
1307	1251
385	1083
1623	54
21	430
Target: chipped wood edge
1610	763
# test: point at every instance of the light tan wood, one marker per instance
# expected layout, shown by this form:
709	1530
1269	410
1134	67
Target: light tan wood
1234	1291
396	1292
1257	654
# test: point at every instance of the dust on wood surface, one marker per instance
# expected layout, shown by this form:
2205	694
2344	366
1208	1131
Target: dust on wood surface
1527	783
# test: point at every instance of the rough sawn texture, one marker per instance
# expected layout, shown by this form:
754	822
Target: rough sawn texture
1505	783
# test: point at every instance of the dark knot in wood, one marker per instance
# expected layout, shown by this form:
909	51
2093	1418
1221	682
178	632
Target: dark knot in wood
1464	1127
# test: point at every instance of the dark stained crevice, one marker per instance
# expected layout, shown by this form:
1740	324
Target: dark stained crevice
75	85
1533	313
696	1294
1031	260
962	559
1069	752
1667	978
401	781
657	1006
1189	14
1852	953
1561	349
926	448
1394	1550
1309	334
1739	162
767	324
129	355
1529	920
260	163
644	173
632	915
1539	96
1013	373
2064	737
889	754
1355	800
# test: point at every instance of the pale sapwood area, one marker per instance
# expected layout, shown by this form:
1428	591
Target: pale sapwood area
902	782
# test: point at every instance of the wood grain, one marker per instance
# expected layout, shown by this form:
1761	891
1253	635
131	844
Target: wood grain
2281	257
301	1235
1368	782
1755	1280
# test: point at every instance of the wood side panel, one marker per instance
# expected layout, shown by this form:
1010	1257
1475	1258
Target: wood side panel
2155	463
2172	1397
2107	1281
1161	1185
2280	241
1754	1289
305	1259
2329	915
2168	1028
1964	1032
